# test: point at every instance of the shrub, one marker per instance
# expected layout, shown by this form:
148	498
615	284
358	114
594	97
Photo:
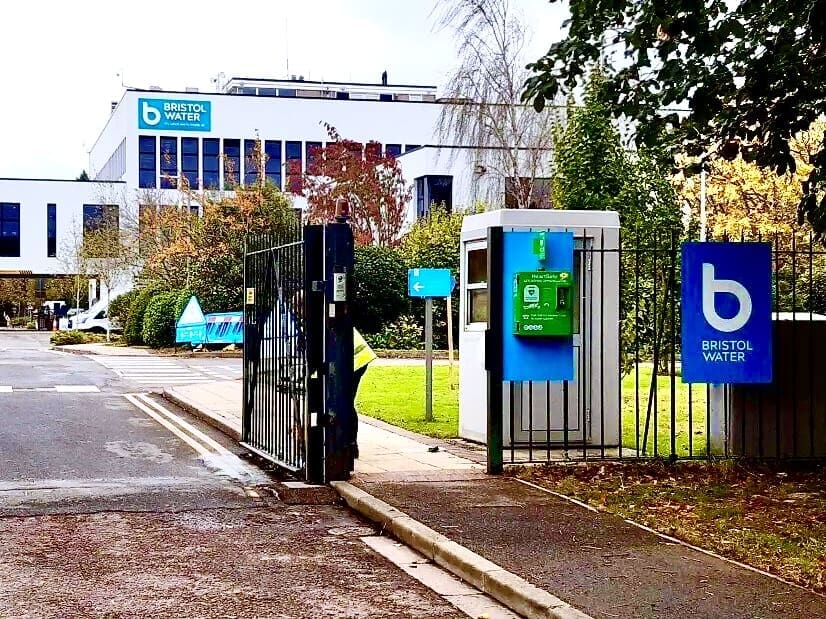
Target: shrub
133	329
119	307
31	326
159	320
402	334
380	282
60	338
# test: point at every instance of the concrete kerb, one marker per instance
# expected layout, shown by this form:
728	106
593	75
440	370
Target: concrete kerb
189	406
511	590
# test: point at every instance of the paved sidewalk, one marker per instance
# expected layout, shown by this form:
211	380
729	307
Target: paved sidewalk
103	349
539	554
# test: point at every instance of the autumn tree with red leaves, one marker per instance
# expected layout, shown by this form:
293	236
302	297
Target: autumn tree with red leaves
371	181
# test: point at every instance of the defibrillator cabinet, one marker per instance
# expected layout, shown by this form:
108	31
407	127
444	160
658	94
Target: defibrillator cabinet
542	304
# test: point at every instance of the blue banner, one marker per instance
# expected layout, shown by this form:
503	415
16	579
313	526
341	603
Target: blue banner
174	114
726	313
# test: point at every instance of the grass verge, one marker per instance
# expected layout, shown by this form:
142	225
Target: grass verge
772	520
396	394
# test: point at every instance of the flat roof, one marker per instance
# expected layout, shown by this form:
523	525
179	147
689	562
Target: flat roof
326	83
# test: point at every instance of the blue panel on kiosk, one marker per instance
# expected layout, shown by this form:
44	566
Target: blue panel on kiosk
538	358
727	313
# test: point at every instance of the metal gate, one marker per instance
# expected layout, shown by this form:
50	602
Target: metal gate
298	351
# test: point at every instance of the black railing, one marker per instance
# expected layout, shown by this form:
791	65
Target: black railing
628	399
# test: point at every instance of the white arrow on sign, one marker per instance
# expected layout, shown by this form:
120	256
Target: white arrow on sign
418	286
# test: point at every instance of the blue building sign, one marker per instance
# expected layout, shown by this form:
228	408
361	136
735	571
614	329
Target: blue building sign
174	114
726	313
431	283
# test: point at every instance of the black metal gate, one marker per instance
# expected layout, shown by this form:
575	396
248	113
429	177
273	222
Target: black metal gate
298	350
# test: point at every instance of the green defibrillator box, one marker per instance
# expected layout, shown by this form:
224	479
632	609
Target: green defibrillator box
543	303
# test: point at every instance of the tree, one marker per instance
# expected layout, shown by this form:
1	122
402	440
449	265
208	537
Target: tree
200	244
83	177
482	102
751	75
743	198
371	181
592	171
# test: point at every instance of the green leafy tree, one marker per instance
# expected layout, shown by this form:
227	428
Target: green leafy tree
750	75
592	171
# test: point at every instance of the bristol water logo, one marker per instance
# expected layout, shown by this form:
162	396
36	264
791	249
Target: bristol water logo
712	287
150	115
174	114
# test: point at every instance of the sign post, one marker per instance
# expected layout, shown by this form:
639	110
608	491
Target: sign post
429	284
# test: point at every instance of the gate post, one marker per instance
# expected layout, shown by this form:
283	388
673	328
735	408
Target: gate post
314	312
338	392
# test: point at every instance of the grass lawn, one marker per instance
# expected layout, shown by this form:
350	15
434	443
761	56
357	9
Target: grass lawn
773	520
396	394
690	439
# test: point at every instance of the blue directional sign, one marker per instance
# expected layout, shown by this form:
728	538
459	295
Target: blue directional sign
726	313
430	283
191	326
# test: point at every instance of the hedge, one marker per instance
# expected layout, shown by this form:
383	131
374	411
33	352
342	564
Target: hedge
159	320
380	282
119	307
133	329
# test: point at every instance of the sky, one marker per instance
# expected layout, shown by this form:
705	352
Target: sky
63	63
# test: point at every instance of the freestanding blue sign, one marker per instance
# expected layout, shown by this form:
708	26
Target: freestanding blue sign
174	114
726	313
431	283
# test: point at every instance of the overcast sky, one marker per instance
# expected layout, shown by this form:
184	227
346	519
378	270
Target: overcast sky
61	60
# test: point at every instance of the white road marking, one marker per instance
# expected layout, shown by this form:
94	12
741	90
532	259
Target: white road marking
149	370
211	452
55	389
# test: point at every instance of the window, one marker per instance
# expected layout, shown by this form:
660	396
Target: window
189	161
372	151
476	268
311	151
147	162
232	163
169	163
101	218
393	150
537	192
409	147
292	152
210	162
51	230
272	152
286	92
385	97
9	230
433	190
251	163
342	95
266	92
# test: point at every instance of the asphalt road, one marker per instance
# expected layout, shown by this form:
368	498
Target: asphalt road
116	504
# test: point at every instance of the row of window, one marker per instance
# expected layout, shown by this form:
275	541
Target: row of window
95	216
164	156
330	94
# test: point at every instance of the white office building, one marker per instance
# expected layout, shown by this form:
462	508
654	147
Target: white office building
153	139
